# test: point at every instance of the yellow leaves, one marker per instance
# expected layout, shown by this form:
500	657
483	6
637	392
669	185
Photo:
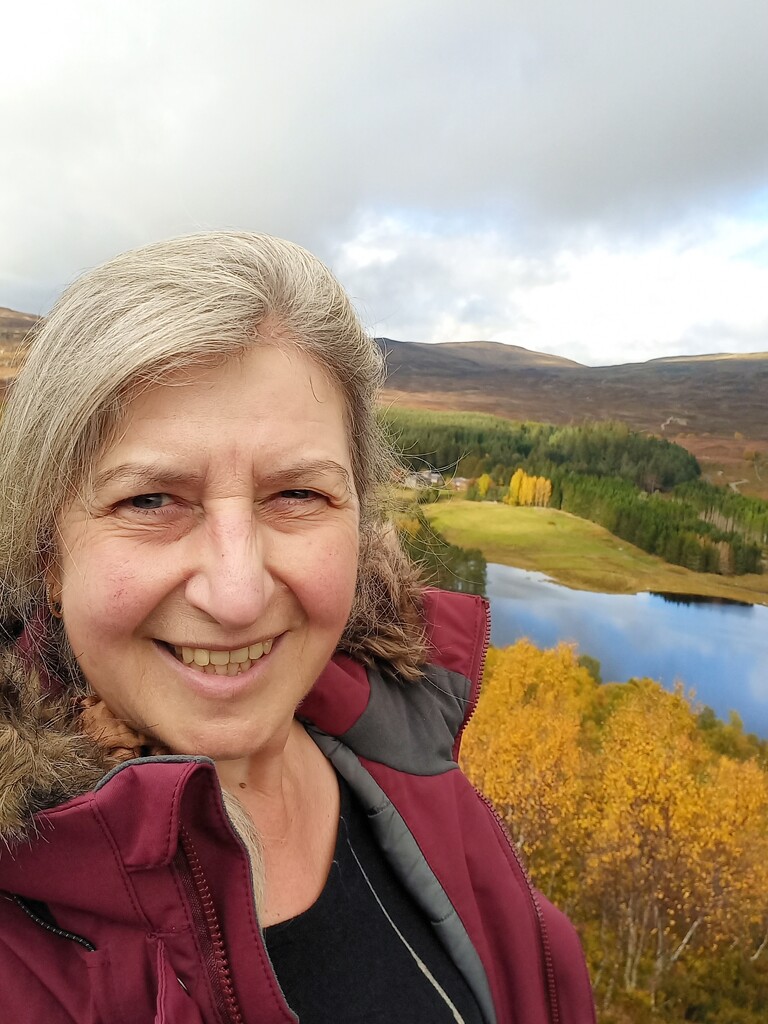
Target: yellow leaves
542	492
646	775
514	487
626	816
731	846
408	525
670	820
528	490
522	749
484	483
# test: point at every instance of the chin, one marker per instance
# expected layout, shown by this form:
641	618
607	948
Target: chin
227	743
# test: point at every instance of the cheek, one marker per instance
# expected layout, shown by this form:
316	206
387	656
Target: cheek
103	603
329	588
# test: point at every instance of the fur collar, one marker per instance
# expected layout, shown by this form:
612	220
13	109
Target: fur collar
45	756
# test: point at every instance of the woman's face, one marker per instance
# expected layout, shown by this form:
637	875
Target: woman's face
221	529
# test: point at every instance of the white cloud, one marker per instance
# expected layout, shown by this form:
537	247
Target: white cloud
508	157
591	302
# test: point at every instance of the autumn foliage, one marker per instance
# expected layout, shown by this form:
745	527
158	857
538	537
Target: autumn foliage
528	490
644	820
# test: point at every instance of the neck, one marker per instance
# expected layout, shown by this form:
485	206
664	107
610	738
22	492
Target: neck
273	786
292	798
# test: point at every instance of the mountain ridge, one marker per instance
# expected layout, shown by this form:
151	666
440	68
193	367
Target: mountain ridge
711	394
720	395
14	327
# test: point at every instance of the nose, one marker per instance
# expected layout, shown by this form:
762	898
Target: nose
231	582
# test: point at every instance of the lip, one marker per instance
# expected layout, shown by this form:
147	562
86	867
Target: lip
215	687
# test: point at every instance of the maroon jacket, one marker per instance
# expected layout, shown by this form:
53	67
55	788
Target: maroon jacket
132	902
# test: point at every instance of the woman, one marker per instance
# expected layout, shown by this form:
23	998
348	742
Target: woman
229	716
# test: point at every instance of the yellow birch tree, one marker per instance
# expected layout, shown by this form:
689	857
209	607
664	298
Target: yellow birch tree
483	486
522	750
516	480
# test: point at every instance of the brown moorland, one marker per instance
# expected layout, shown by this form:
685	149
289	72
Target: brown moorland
713	405
14	328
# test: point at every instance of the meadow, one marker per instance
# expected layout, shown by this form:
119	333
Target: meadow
576	552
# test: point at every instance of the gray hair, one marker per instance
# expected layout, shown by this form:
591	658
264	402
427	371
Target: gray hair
172	305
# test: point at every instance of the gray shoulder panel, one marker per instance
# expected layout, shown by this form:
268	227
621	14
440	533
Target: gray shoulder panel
412	726
407	860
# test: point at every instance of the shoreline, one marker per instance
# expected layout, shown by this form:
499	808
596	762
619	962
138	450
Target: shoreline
577	553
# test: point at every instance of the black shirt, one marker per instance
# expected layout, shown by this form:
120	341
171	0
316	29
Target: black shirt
364	953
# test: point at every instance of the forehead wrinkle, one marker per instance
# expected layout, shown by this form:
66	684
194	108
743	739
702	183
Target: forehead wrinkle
155	474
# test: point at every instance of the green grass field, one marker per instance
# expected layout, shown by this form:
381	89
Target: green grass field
576	552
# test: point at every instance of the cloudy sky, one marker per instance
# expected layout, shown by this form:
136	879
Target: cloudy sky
582	177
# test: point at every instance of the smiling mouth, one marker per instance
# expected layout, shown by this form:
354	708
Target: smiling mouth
221	663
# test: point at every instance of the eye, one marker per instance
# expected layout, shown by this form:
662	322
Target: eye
149	502
299	494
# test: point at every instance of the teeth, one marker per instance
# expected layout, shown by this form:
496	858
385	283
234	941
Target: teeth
223	663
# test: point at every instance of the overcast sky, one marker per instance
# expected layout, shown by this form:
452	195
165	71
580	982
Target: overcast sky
582	177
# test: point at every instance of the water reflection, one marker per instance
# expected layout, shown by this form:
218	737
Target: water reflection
694	599
718	649
445	565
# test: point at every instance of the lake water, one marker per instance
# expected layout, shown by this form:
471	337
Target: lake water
718	649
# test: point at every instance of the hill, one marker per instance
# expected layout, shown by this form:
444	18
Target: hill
689	394
14	326
714	405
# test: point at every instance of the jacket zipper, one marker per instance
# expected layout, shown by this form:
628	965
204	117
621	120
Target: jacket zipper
206	919
480	672
52	928
549	967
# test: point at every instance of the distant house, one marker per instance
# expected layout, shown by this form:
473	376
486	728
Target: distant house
424	478
459	483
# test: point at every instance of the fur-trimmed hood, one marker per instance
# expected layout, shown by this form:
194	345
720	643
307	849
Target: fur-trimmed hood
45	756
53	746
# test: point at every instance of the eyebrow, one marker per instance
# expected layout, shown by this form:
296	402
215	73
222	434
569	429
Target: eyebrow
153	475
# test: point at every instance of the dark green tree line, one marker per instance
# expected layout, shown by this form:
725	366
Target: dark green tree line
470	444
643	489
